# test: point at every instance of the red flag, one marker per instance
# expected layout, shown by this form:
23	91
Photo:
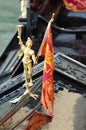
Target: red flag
75	5
47	98
38	120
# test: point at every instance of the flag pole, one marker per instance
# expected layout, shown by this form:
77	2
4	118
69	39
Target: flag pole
43	41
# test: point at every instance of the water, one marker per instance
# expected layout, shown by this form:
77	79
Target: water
9	13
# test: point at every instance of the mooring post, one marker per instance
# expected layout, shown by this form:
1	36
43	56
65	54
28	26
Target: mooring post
29	19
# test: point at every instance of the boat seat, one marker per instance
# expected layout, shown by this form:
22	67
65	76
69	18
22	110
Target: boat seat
68	19
69	45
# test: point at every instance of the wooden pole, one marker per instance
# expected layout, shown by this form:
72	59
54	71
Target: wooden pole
29	19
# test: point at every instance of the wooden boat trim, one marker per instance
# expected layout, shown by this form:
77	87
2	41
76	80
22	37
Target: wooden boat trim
14	83
62	30
21	103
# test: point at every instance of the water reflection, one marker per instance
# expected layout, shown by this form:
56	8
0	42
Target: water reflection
9	13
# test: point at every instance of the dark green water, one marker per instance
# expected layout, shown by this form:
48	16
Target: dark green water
9	13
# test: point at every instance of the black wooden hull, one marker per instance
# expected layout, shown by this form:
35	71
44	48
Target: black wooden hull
69	73
68	19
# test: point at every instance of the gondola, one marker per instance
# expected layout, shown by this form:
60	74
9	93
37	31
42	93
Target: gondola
66	52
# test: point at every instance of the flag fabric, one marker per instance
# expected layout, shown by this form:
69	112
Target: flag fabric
37	121
47	98
75	5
